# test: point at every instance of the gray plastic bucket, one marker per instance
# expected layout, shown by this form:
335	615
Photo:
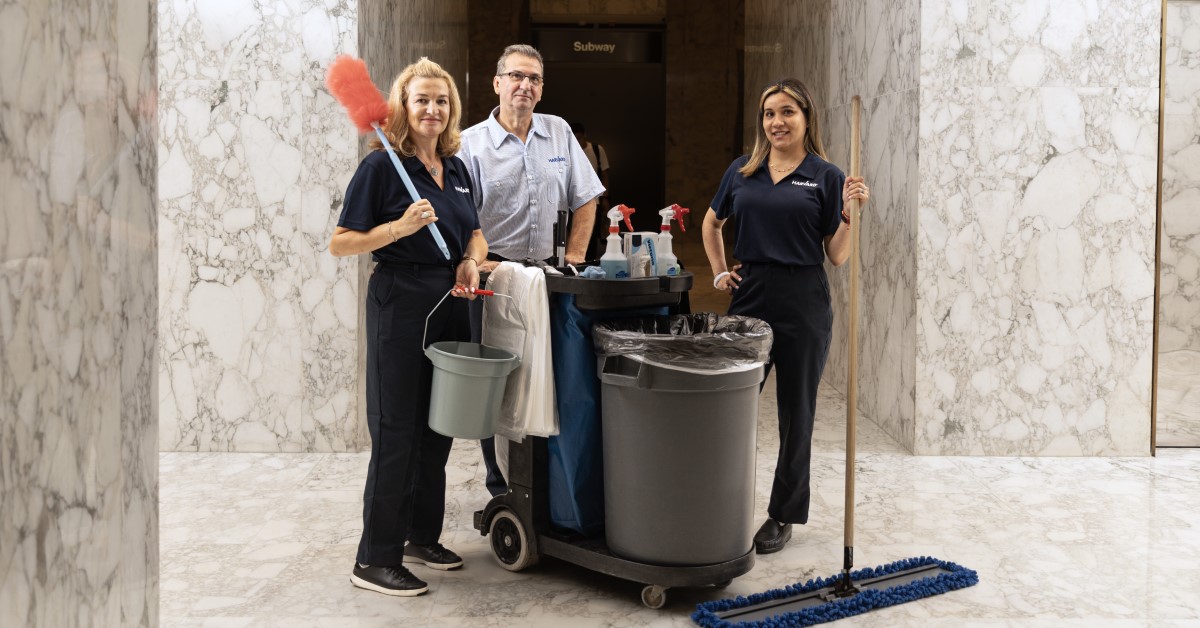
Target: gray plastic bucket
468	386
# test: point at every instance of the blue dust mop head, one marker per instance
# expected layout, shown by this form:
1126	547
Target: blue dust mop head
819	601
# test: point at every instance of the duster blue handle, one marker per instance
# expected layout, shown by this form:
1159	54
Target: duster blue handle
408	184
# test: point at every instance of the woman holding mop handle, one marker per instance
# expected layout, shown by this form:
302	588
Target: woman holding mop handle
787	201
405	497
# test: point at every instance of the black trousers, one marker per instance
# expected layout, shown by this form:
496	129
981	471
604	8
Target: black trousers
794	300
405	494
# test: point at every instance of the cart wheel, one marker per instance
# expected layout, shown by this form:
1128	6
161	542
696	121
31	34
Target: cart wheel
654	596
510	544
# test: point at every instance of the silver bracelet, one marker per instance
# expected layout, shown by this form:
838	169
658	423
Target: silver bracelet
390	230
717	279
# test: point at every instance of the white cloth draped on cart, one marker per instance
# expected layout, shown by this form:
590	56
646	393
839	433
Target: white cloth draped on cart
521	324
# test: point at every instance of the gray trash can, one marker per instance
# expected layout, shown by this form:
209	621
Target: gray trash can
679	432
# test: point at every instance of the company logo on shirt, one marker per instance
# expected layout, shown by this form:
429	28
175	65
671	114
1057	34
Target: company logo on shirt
558	159
463	190
807	184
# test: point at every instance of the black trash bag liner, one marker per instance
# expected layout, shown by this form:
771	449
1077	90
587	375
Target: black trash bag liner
703	342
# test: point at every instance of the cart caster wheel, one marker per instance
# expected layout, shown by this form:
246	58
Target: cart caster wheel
510	543
654	596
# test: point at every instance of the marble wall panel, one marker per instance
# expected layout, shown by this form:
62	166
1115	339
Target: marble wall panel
1050	43
259	40
873	53
78	418
1179	275
1038	124
887	291
874	48
258	323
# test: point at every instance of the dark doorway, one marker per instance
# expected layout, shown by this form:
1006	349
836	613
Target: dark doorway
613	81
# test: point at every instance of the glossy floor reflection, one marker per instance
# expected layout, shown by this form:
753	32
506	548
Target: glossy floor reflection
268	540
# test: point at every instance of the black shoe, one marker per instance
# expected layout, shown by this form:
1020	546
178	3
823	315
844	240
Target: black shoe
387	580
772	536
434	555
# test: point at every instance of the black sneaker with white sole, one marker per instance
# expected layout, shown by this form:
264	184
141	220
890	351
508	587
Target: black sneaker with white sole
435	556
387	580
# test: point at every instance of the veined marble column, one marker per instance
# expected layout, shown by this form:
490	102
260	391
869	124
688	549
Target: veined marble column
259	323
1179	311
874	49
78	300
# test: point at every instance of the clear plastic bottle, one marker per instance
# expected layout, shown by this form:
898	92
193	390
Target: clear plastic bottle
613	262
668	262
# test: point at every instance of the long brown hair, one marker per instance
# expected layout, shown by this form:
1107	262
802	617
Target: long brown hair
396	127
798	92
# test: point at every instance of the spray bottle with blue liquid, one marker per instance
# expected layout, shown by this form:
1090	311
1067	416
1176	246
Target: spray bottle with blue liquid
668	263
613	262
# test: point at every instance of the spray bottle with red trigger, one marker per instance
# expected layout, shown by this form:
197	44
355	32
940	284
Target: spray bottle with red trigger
668	263
613	262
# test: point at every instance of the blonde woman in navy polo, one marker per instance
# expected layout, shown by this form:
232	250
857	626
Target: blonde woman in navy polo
404	501
787	204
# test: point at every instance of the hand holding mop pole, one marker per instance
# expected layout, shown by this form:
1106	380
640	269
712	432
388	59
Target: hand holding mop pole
845	587
349	82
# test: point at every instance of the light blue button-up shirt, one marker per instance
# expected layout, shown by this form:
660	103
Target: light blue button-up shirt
521	186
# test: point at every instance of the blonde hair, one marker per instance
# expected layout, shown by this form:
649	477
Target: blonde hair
396	126
795	90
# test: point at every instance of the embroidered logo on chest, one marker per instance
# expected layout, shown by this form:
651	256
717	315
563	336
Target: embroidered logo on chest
805	184
463	190
559	159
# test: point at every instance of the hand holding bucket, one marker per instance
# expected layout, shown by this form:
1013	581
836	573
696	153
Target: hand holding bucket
468	383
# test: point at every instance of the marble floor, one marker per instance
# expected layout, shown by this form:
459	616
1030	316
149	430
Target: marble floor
1178	422
269	540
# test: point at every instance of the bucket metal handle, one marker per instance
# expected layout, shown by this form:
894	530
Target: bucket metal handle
425	334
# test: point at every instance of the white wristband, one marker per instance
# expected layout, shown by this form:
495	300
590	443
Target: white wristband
717	279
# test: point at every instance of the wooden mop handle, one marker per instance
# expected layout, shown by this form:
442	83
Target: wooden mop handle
854	211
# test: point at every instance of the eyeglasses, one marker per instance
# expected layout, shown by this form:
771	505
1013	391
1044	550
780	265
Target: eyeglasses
517	77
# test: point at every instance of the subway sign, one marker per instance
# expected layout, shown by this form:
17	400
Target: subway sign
592	45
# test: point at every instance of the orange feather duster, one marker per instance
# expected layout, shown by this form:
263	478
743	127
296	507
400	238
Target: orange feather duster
350	83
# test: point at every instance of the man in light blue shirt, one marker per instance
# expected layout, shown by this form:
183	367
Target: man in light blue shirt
527	167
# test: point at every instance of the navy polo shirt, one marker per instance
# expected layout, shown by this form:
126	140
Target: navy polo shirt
785	222
377	195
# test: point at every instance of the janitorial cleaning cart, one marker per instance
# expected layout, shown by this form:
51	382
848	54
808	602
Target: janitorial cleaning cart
651	478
